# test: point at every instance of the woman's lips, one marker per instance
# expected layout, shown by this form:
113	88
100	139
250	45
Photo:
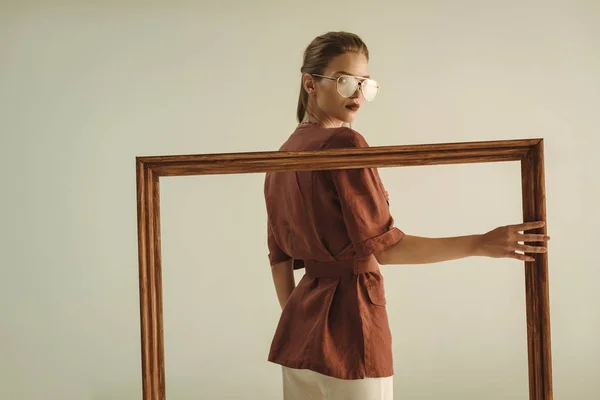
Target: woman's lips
353	107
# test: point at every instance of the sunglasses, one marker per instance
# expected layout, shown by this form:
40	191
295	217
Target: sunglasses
347	85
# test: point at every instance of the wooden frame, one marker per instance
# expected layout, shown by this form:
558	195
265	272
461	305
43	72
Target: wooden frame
529	152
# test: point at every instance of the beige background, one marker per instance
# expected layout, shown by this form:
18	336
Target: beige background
86	88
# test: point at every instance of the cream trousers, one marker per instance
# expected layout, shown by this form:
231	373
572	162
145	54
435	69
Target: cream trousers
304	384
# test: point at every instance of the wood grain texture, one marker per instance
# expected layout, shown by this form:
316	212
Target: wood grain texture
149	169
536	279
150	287
142	220
382	156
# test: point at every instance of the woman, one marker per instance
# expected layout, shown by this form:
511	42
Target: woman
333	339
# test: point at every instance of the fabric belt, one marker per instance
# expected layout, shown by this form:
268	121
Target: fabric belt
334	269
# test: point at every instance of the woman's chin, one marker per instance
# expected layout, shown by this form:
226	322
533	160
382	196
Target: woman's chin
348	115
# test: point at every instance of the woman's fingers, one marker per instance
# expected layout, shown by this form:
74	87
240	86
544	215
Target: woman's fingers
527	249
527	226
508	241
522	257
530	249
520	237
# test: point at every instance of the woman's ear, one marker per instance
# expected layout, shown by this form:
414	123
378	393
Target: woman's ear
309	83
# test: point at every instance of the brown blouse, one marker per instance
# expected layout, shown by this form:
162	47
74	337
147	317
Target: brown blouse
331	222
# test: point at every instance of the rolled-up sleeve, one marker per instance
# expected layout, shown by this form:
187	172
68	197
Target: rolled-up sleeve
363	201
276	255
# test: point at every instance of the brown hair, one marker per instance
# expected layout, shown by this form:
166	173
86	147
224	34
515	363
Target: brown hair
319	53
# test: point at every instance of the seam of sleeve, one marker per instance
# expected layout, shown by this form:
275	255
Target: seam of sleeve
276	259
276	255
352	143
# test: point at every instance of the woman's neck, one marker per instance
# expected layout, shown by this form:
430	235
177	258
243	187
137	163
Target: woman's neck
324	122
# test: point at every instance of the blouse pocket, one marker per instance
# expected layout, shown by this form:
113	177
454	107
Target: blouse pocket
376	294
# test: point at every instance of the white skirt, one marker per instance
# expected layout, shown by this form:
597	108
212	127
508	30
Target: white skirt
304	384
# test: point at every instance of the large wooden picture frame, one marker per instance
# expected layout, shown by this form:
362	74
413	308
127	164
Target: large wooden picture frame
529	152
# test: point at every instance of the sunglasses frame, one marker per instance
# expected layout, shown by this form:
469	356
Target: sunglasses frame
360	80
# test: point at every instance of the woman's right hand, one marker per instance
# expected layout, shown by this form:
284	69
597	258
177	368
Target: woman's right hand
505	241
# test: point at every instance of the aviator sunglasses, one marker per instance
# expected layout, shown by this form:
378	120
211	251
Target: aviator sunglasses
347	85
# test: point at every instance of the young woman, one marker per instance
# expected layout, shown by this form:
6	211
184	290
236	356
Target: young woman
333	339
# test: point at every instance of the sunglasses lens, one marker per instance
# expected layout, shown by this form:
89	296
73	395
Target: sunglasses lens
369	89
346	86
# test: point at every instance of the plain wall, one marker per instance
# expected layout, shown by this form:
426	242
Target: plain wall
86	88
